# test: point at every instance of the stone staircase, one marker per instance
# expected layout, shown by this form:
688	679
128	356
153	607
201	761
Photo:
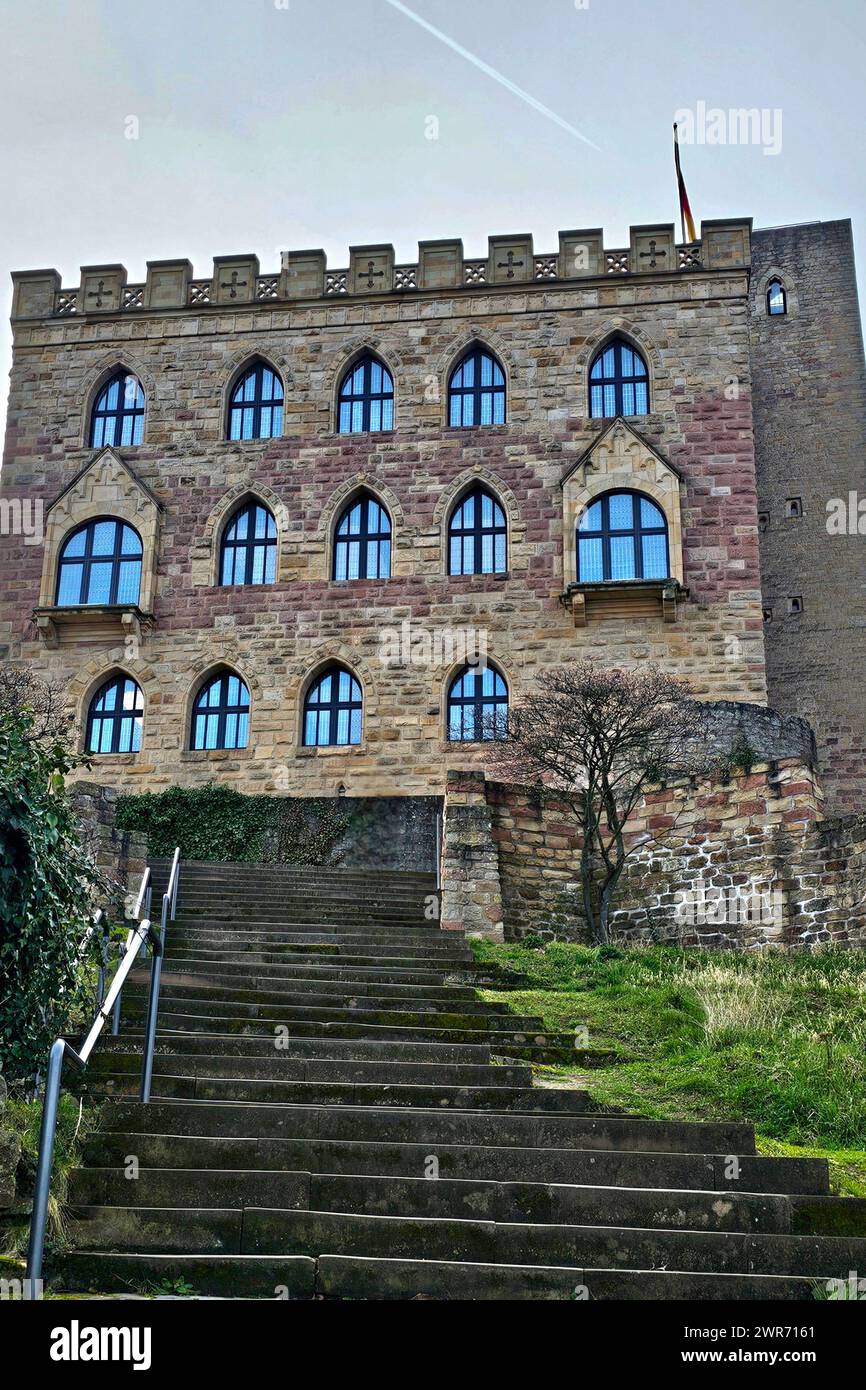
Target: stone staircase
336	1114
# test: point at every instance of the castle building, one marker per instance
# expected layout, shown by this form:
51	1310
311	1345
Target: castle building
263	526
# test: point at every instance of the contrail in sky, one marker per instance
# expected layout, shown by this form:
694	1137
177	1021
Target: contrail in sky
491	72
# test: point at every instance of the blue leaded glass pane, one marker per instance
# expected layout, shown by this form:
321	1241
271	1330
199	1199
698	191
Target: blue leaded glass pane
650	514
131	544
310	721
104	533
355	728
69	590
99	583
609	401
622	557
591	519
597	401
628	398
655	557
129	581
621	511
590	561
641	403
468	410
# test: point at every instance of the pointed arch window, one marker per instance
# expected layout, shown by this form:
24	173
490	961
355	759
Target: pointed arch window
117	417
622	535
618	381
333	709
100	563
115	717
256	404
477	535
477	705
362	542
248	553
221	713
777	299
476	390
366	403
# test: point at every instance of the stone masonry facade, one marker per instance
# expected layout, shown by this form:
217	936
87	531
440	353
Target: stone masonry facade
746	415
187	340
809	411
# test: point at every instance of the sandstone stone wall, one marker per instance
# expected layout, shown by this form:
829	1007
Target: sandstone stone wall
741	862
122	854
809	404
693	329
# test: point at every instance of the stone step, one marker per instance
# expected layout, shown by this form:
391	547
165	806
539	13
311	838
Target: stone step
390	995
356	1277
279	940
591	1167
350	904
277	973
358	1050
556	1204
269	1231
237	871
255	1092
376	1124
503	1042
280	1066
333	1009
328	955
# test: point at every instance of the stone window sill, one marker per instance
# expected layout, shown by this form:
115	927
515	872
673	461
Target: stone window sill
57	624
624	598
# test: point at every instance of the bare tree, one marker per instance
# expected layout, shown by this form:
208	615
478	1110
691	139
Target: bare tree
44	701
600	738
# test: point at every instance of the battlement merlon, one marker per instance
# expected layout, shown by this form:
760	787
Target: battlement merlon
724	244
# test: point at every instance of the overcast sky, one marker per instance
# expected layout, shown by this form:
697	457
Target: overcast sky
267	125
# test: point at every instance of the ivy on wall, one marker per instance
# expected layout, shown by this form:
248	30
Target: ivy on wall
217	823
49	888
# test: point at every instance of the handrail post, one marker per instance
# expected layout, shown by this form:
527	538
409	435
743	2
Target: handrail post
47	1131
153	1006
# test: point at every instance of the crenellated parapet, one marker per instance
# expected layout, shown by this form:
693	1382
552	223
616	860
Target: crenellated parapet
372	271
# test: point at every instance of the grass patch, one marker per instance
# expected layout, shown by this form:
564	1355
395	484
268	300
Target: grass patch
774	1039
74	1123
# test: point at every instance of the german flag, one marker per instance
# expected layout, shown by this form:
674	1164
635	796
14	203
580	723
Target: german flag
686	220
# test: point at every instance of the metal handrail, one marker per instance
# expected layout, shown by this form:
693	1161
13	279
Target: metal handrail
137	939
169	908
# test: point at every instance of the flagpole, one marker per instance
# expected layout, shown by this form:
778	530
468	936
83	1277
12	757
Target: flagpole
677	166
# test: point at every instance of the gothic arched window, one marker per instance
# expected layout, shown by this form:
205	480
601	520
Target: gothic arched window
477	705
100	563
622	535
117	417
777	299
476	390
333	709
256	404
477	535
362	541
366	398
618	381
248	553
221	713
115	717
